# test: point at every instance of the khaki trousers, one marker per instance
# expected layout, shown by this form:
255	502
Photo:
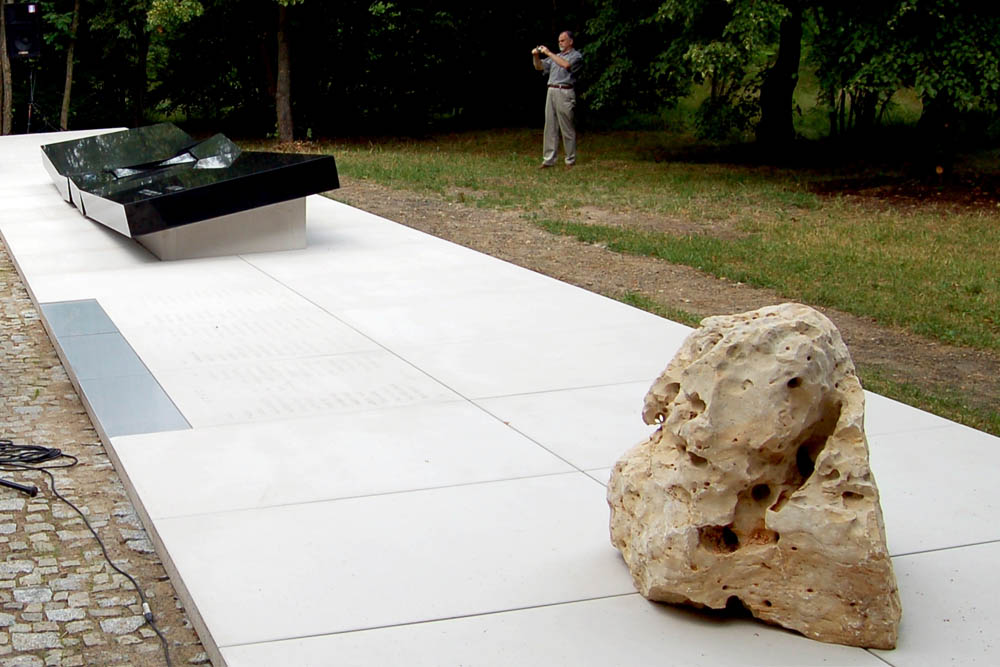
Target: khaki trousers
559	105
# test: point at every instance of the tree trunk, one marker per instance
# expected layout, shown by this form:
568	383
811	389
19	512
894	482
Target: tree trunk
842	113
140	76
283	89
776	93
936	129
6	85
64	113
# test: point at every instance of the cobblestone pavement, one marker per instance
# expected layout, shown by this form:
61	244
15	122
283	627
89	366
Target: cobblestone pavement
61	604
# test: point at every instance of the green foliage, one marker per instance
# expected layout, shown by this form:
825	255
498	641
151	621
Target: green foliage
729	46
725	120
385	10
58	19
171	14
948	50
847	39
865	52
634	62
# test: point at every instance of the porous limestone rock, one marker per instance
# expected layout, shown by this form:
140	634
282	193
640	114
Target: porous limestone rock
756	486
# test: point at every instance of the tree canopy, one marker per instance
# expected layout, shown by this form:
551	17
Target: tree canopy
304	68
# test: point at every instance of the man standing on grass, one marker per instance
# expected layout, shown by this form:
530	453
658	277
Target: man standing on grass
560	100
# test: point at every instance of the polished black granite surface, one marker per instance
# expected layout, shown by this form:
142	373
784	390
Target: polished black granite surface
179	195
155	178
105	152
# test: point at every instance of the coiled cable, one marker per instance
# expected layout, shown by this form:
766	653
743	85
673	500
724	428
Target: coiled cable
31	457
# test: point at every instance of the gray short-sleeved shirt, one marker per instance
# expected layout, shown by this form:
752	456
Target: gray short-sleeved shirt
559	75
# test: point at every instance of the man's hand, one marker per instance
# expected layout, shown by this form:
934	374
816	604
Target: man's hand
536	58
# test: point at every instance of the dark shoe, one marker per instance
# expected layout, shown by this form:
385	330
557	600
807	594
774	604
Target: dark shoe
569	165
545	165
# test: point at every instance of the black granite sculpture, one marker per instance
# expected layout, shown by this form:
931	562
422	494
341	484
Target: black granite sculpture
158	185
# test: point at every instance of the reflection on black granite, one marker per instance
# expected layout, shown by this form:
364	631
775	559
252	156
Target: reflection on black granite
155	178
105	152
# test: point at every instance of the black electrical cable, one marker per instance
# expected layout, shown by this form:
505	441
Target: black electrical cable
28	457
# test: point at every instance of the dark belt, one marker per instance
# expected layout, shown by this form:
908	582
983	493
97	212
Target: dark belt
561	86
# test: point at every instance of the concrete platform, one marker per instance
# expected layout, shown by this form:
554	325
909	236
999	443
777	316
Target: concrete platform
388	449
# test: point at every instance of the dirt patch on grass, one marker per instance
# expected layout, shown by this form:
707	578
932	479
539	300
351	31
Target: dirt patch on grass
645	222
950	194
895	353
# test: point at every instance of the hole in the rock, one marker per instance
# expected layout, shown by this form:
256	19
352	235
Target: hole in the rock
699	461
697	405
735	606
720	539
761	535
809	590
794	382
730	538
767	603
780	502
760	492
809	358
851	498
805	461
814	442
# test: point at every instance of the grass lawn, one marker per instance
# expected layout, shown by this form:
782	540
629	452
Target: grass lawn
929	268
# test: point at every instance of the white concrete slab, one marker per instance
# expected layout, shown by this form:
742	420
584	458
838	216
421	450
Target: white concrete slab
886	416
324	458
550	361
938	487
232	326
567	634
601	475
492	314
292	388
409	270
951	611
398	558
589	427
143	291
33	205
